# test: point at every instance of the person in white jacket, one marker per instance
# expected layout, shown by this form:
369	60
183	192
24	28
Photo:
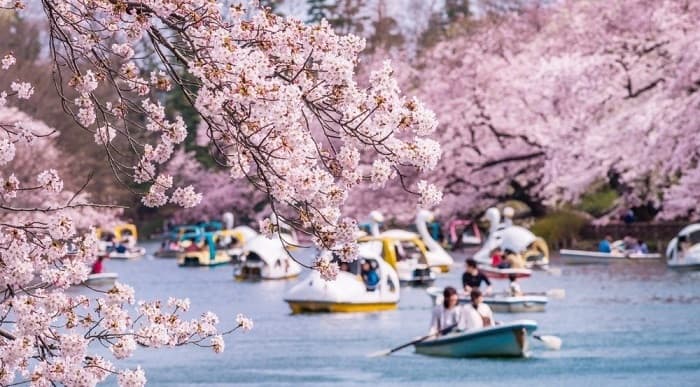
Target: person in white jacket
476	315
448	314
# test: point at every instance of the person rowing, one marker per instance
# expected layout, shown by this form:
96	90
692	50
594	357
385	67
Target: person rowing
447	314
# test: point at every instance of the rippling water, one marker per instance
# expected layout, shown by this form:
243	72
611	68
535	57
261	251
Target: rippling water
627	324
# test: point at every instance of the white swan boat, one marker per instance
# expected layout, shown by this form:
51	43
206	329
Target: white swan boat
506	236
269	259
435	255
683	252
348	292
505	340
500	303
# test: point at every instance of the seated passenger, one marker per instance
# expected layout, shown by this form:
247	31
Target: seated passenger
642	247
120	248
370	276
448	314
604	245
97	266
496	257
473	278
514	287
477	315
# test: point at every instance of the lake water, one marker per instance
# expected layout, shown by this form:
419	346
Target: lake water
628	324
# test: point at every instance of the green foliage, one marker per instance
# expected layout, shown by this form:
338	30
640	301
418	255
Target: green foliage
559	226
598	202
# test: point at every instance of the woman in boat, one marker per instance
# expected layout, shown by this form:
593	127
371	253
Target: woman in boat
449	313
497	257
97	266
477	315
473	278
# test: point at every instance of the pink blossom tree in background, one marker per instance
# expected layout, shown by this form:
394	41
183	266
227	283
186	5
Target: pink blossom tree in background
220	193
261	83
541	105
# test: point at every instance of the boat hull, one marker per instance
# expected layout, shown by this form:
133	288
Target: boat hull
582	257
496	273
101	280
527	303
684	266
522	304
506	340
298	306
133	253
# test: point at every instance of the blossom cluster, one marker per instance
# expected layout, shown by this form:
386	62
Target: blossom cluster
279	98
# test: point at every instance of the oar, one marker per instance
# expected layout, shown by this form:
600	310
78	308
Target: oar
386	352
551	342
551	293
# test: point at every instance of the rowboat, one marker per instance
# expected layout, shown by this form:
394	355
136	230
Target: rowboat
516	304
505	340
683	252
501	303
573	257
101	280
505	273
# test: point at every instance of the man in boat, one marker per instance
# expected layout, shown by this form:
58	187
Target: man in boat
477	315
447	314
642	247
604	245
472	278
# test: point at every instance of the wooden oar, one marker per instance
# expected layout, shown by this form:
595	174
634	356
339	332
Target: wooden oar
386	352
552	293
549	341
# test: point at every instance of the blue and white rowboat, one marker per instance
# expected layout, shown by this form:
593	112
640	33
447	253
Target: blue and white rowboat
505	340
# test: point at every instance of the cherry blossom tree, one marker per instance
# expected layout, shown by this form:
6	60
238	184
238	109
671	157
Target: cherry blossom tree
283	110
219	193
540	105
